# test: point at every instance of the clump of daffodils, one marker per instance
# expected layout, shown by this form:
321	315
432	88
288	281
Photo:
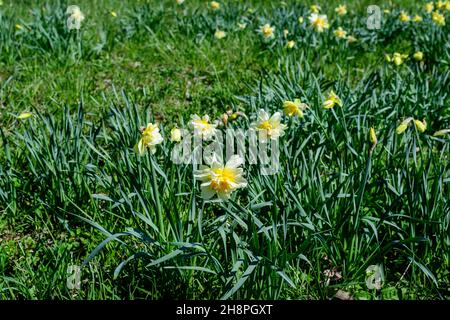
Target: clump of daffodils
404	17
438	18
203	127
220	34
421	126
396	58
340	33
270	126
319	22
221	180
332	100
294	108
341	10
267	31
150	138
75	17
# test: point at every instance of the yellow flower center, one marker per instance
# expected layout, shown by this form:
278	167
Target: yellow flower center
267	31
223	179
266	125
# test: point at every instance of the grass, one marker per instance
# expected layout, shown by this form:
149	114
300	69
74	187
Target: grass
73	191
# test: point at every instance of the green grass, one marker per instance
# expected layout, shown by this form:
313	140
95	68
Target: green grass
69	178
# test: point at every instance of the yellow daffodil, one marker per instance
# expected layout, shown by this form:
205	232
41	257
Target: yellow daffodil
267	31
404	17
290	44
75	17
315	8
429	7
202	126
175	135
294	108
397	58
285	32
319	22
440	4
447	5
421	125
341	10
19	27
373	136
441	133
351	39
332	100
150	139
418	56
215	5
242	26
438	18
340	33
417	19
403	125
221	180
387	11
219	34
24	115
301	19
114	14
271	126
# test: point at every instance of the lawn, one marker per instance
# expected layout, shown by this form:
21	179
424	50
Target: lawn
93	205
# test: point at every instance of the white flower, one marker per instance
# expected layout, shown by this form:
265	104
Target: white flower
202	126
75	17
319	22
150	138
221	180
271	126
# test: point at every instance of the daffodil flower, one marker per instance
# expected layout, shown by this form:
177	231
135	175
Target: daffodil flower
315	8
403	125
418	56
24	115
319	22
351	39
202	126
290	44
215	5
267	31
75	17
271	126
341	10
294	108
180	1
175	135
373	136
340	33
438	18
221	180
421	125
429	7
332	100
441	133
417	19
113	14
149	140
219	34
404	17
